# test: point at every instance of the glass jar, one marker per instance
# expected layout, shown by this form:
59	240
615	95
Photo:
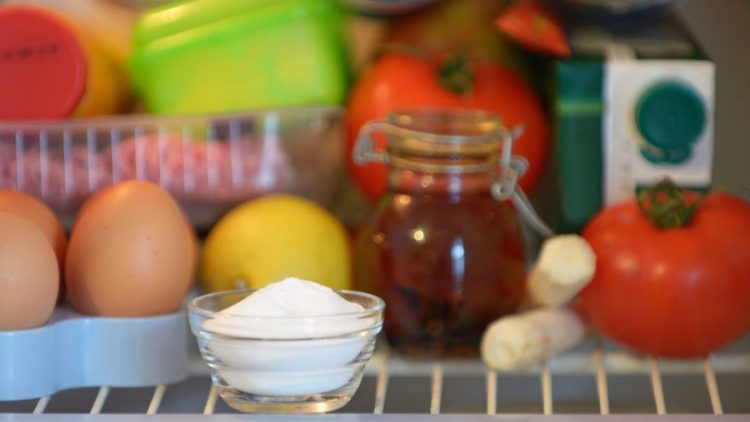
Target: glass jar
443	245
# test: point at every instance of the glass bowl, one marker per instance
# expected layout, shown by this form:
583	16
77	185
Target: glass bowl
263	364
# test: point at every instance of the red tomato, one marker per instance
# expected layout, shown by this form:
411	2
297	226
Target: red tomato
681	292
398	80
532	26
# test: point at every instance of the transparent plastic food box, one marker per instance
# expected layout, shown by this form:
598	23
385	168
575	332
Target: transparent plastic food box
208	163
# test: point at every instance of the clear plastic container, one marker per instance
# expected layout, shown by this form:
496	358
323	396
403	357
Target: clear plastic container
208	163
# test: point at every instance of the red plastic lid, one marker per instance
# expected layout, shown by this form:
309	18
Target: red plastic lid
42	65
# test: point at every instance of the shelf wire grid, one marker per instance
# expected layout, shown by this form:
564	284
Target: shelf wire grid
385	366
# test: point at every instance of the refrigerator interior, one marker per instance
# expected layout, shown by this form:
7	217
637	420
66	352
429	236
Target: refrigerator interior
597	378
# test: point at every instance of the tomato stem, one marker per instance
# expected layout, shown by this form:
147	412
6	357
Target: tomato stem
666	205
456	74
455	71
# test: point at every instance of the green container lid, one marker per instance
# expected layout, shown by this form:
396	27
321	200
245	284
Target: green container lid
231	55
174	18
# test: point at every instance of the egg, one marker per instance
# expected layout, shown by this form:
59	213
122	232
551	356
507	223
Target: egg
29	275
37	212
129	253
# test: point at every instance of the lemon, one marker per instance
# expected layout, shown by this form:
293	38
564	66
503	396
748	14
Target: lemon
273	237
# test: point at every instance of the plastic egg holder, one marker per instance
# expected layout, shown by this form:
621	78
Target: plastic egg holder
271	372
74	350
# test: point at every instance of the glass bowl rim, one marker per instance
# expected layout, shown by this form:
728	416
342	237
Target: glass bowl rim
377	307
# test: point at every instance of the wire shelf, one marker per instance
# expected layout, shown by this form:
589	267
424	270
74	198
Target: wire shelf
390	377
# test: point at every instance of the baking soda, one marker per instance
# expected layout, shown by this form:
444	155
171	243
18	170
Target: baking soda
291	308
289	338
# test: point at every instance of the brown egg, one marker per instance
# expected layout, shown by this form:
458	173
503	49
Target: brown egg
29	275
37	212
129	253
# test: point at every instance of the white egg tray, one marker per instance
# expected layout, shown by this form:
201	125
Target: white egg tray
74	350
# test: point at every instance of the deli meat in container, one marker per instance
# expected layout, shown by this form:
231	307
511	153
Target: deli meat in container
208	163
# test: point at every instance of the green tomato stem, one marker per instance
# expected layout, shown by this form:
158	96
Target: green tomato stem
455	71
456	74
666	205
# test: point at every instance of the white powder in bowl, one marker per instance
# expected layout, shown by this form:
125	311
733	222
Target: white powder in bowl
291	308
293	297
289	338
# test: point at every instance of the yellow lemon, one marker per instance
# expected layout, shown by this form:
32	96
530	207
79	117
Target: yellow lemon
274	237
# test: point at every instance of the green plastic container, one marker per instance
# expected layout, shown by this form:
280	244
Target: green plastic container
211	56
579	106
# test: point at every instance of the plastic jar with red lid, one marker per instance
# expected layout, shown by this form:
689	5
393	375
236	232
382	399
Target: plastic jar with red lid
50	68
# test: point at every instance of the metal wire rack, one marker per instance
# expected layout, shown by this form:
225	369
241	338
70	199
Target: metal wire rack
388	391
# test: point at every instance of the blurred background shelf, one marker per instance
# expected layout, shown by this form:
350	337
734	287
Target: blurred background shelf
719	30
